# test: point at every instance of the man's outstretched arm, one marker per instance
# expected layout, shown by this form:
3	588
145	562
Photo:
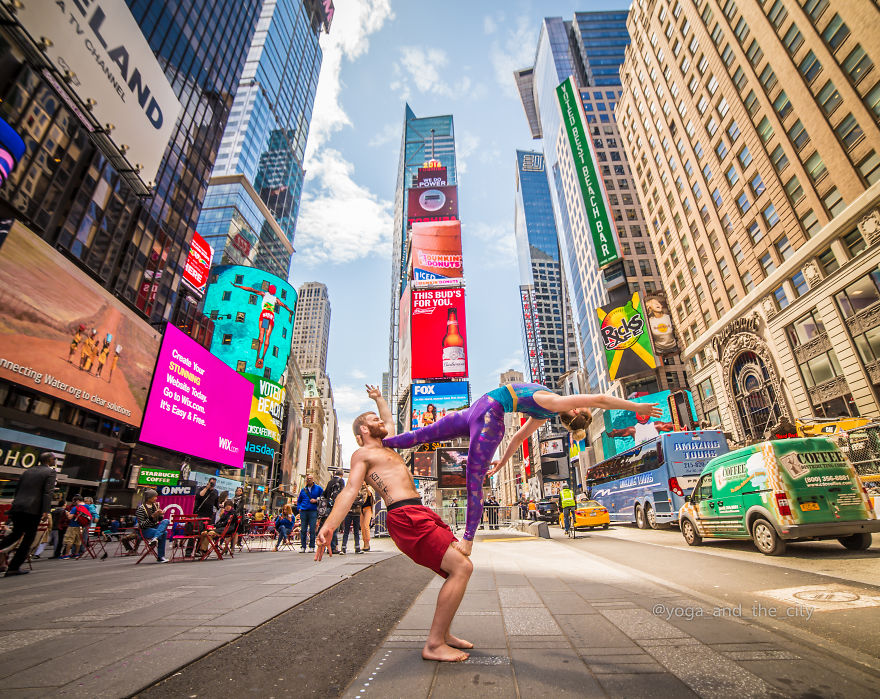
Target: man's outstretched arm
384	411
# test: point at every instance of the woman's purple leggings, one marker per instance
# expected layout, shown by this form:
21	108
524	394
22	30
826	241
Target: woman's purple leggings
483	422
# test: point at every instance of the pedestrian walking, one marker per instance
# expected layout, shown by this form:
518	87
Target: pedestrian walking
533	510
331	490
566	499
33	497
366	517
152	523
59	526
352	522
493	505
79	517
238	508
307	504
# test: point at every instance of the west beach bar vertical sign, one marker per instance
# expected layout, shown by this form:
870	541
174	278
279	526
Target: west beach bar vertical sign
596	207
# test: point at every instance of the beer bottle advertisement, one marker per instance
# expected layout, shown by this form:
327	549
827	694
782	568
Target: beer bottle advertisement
439	335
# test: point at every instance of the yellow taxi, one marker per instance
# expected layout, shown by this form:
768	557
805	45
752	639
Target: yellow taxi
588	514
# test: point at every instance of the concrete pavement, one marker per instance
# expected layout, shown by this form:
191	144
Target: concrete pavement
94	628
553	620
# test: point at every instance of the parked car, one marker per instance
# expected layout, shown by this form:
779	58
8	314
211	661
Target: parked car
588	514
780	491
548	509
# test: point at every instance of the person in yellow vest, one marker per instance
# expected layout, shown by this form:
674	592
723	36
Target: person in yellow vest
566	499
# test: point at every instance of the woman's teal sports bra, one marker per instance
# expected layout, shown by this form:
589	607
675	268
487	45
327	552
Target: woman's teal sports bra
519	398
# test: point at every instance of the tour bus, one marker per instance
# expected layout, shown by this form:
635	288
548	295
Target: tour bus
648	483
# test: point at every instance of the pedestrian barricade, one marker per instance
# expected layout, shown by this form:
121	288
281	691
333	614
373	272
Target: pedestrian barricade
380	526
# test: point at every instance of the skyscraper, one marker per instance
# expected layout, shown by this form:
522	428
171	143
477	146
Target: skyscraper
548	333
761	179
424	140
311	328
252	203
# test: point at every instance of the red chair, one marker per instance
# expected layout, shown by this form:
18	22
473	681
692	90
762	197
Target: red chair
92	542
148	548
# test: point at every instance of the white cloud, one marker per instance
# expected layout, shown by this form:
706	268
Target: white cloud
340	220
388	134
490	23
357	374
466	144
498	240
420	70
349	401
353	23
513	51
515	360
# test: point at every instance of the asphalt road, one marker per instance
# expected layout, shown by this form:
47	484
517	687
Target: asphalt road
818	592
314	649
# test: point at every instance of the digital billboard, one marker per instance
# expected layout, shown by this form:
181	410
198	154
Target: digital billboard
404	377
267	416
11	149
63	335
432	204
198	264
439	337
436	253
432	401
625	429
253	314
625	336
424	464
197	404
599	220
660	324
451	467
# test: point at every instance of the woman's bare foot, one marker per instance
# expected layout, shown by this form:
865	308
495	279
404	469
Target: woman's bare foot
443	653
456	642
464	546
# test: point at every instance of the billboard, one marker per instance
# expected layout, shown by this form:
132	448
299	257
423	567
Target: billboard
154	477
626	340
436	253
451	467
599	220
111	70
267	416
11	149
660	324
404	373
625	429
253	314
439	337
198	264
424	464
432	204
197	404
63	335
432	401
532	333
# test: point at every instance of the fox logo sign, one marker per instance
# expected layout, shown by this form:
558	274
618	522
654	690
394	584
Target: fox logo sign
424	390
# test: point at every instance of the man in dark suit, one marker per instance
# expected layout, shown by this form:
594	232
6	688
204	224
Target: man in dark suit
33	497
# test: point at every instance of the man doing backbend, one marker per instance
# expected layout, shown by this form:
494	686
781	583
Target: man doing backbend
483	422
417	530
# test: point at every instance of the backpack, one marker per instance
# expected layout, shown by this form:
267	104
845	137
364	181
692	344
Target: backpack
333	489
324	507
81	516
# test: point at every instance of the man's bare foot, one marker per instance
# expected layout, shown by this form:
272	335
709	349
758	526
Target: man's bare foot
456	642
463	546
443	653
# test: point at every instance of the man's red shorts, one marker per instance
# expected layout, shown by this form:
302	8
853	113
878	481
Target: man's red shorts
421	535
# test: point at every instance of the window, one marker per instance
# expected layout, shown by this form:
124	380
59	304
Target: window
227	340
732	176
783	247
767	78
805	329
728	227
848	131
829	98
239	317
727	55
859	295
742	30
870	168
872	100
755	232
765	130
745	158
712	85
770	216
723	268
781	297
810	222
738	256
227	295
767	264
828	262
793	39
703	64
241	366
834	201
854	242
711	126
693	84
718	34
754	53
733	131
739	79
698	192
777	14
810	67
723	107
782	105
815	8
779	159
721	149
716	198
815	167
800	284
835	33
698	149
747	282
794	190
705	389
703	104
798	135
757	185
743	202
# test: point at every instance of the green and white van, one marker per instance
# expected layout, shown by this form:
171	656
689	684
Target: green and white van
785	490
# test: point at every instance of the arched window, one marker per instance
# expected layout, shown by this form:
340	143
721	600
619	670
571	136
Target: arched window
756	401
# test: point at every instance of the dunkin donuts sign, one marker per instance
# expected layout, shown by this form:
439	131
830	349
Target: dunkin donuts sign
436	253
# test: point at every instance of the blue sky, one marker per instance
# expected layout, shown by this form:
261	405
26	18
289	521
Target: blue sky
452	57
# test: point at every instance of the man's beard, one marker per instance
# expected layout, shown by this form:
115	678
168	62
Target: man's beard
378	431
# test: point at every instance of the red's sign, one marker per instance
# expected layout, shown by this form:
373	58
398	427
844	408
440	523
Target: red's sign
198	264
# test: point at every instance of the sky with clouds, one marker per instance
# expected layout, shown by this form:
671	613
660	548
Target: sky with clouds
456	57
